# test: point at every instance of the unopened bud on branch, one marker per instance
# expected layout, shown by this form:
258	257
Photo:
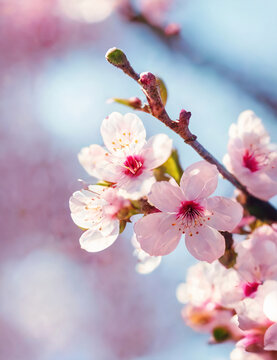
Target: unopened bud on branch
135	102
184	117
116	57
147	79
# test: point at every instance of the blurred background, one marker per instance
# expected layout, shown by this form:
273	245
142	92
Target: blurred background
58	302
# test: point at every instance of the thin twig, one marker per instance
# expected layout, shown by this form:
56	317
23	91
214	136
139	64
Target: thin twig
182	46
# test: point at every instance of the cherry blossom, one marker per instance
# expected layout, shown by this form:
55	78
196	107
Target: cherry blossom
251	157
210	283
127	160
96	210
256	259
188	210
258	316
209	293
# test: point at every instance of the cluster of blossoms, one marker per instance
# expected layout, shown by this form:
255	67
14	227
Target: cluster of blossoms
235	301
239	303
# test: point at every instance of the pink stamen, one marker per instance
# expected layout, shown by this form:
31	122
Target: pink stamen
250	162
250	288
189	212
133	165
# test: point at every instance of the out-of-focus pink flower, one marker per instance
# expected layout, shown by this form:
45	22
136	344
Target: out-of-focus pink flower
256	259
251	157
96	211
210	284
209	293
258	316
188	210
128	160
146	263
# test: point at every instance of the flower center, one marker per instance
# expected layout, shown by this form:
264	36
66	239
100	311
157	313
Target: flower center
250	288
250	161
190	213
133	165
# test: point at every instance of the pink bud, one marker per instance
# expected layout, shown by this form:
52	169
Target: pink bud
147	79
184	116
135	102
172	29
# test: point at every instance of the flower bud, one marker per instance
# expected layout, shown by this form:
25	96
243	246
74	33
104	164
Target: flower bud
135	102
172	29
185	116
147	79
116	57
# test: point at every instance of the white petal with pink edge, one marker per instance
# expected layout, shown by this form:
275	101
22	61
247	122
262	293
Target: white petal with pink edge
156	234
199	180
123	134
205	243
94	240
226	213
157	151
165	196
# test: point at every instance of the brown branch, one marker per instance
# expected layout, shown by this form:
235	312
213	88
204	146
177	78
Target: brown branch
148	82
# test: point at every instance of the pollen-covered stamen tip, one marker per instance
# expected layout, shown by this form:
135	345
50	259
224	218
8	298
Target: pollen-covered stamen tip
133	165
190	213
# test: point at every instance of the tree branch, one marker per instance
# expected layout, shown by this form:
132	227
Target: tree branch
259	208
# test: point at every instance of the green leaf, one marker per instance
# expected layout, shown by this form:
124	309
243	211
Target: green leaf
163	90
133	103
171	167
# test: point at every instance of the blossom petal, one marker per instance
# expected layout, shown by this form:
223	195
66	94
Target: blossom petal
157	151
269	306
199	180
94	241
226	213
83	216
156	234
205	243
270	338
123	133
250	128
96	161
165	196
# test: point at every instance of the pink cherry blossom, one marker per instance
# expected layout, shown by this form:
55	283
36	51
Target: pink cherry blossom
256	259
258	316
210	284
251	157
96	211
127	160
209	293
189	210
